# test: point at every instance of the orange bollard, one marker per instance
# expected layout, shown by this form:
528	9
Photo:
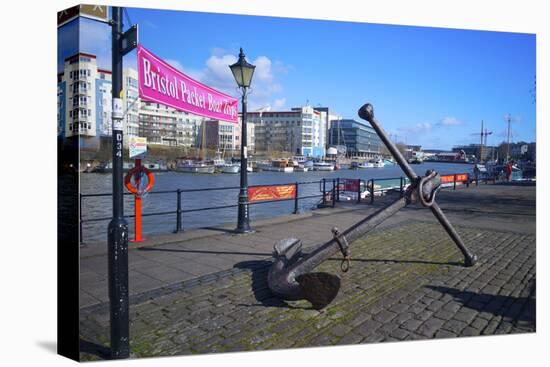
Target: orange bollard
137	218
137	204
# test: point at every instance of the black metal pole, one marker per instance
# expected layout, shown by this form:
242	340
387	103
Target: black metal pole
296	209
324	192
372	191
243	222
118	227
80	217
178	212
333	195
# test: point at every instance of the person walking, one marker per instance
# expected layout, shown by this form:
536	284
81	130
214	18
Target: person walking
508	170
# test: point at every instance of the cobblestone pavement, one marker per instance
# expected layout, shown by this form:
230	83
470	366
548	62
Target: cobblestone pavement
406	282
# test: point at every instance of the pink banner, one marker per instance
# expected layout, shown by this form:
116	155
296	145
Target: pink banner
159	82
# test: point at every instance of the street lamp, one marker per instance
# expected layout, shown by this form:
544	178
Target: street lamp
242	72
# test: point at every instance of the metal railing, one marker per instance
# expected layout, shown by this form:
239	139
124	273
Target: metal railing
330	191
180	208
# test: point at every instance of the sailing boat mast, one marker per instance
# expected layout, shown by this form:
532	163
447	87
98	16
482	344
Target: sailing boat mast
508	144
203	140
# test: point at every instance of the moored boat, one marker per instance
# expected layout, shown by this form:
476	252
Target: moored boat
276	165
189	166
364	165
323	166
230	168
377	163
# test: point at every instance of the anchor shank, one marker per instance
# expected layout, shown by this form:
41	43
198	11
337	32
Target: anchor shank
326	250
469	258
366	112
401	161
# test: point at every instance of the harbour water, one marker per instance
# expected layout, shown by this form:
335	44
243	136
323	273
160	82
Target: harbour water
96	207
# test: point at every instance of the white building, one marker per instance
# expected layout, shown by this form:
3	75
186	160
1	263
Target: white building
84	105
85	100
300	131
130	101
77	86
164	125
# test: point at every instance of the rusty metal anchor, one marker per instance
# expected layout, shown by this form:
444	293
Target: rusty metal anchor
290	276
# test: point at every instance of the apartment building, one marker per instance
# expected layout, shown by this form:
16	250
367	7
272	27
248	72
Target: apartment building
84	108
222	136
77	97
84	100
164	125
300	131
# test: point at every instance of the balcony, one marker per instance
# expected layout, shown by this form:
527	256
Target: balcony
81	118
81	91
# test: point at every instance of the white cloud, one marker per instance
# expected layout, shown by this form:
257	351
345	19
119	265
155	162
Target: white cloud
280	67
279	103
175	63
217	51
421	127
450	121
217	74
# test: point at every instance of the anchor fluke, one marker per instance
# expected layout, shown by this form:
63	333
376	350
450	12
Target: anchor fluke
319	288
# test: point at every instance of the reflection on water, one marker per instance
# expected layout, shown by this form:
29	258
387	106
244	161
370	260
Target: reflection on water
94	207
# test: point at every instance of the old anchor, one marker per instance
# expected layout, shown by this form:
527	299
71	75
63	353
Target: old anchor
290	276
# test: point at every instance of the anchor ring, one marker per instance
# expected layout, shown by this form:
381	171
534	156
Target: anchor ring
345	265
427	203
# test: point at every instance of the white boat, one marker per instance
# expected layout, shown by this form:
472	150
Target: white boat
230	168
364	165
218	162
377	163
225	167
108	167
189	166
276	165
301	168
323	166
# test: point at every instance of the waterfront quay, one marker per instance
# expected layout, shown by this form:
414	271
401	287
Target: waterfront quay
205	290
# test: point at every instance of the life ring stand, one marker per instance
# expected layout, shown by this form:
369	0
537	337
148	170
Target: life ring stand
136	171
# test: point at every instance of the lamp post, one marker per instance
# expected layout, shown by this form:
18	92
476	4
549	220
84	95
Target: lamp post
118	227
242	72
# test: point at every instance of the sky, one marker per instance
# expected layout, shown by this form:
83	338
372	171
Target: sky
429	86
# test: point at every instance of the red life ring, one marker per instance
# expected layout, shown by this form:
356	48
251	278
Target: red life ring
135	171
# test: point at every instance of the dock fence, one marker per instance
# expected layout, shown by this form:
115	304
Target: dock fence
329	190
